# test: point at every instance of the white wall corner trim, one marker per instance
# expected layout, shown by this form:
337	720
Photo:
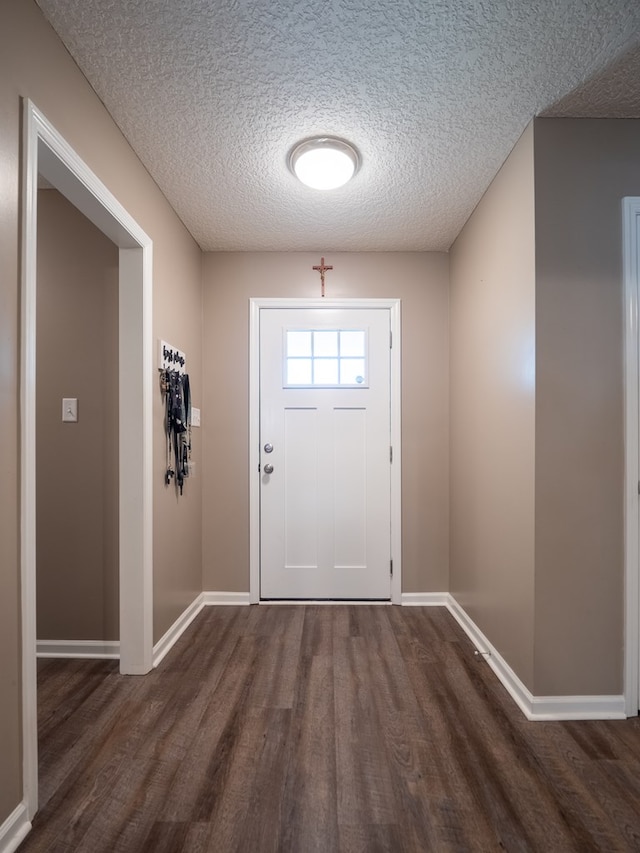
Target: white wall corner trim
171	637
425	599
537	707
100	649
15	829
631	280
217	599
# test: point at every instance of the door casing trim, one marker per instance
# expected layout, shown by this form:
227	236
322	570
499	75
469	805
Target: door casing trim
631	278
46	152
256	305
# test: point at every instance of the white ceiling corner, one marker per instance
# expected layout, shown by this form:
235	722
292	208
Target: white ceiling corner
212	96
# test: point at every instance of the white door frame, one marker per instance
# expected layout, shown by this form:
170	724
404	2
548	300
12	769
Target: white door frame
631	270
255	306
47	153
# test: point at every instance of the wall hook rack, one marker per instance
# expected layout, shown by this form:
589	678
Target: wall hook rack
171	358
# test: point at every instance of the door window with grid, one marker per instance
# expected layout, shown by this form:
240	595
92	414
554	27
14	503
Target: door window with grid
330	358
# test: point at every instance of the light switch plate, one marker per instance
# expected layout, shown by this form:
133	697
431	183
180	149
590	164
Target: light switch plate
70	409
195	417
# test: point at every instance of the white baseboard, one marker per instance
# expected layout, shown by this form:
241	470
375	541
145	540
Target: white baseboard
537	707
107	649
533	707
168	640
510	681
223	598
578	708
205	599
328	602
15	829
425	599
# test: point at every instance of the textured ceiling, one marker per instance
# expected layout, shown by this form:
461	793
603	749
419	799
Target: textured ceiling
212	94
613	93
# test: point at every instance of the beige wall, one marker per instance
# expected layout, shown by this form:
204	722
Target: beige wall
493	412
177	520
583	169
77	464
421	281
34	64
537	480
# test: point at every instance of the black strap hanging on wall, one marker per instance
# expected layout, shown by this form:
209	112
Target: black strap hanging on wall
174	383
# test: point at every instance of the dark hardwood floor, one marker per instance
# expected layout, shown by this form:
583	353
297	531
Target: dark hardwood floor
321	728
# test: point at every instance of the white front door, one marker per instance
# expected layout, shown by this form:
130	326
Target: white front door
325	507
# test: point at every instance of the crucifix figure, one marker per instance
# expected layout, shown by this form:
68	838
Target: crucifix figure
322	270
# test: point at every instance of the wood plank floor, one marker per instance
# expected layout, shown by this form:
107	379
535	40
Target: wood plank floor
321	728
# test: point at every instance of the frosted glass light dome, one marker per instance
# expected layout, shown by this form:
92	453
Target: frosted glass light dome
324	163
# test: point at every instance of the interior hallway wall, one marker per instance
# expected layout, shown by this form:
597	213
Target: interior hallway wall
420	280
537	516
35	64
583	168
77	464
493	412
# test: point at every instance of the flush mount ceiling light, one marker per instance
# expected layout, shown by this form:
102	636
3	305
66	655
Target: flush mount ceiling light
324	162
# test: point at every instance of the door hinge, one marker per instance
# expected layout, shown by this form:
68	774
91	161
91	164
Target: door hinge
639	487
391	454
391	567
390	340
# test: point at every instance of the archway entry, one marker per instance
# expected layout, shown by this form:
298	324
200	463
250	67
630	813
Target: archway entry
46	153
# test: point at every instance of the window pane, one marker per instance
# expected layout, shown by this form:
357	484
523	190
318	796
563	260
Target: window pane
299	344
325	344
352	344
352	371
298	371
325	371
326	357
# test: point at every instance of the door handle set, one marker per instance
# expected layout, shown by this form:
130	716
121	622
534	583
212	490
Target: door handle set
268	448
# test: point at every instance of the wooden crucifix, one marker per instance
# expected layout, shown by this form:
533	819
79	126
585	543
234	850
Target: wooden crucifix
322	270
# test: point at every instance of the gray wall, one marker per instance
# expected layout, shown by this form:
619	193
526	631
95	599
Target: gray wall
77	464
583	169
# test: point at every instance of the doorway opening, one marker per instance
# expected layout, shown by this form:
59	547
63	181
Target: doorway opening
76	451
47	154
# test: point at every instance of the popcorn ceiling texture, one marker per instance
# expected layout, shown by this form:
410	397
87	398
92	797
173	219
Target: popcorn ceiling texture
212	96
613	93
